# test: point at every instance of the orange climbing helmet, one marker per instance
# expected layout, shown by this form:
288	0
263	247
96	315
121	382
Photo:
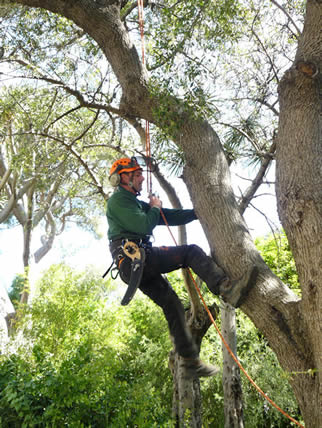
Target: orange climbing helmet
120	166
135	163
124	165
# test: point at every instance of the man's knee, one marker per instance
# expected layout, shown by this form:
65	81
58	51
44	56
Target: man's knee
194	253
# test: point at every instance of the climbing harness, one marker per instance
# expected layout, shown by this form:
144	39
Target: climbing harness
135	252
149	185
137	256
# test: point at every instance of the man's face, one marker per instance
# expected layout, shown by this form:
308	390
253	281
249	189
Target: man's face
137	179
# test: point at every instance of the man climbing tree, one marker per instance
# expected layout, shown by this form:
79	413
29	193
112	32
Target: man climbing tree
131	223
290	323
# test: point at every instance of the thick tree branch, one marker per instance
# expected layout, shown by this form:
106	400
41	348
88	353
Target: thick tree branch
6	211
13	195
27	232
48	239
63	218
5	177
258	180
46	205
128	9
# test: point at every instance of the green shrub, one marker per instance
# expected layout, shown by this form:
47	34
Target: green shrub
276	252
83	363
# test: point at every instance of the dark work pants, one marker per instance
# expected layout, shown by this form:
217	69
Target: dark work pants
160	260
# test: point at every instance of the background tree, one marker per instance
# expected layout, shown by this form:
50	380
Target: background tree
46	181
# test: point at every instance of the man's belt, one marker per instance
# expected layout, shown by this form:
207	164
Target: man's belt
138	241
137	255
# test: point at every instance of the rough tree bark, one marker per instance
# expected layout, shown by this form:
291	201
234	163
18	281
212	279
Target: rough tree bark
291	325
233	406
299	196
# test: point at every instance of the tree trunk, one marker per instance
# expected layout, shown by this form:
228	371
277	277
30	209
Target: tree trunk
27	232
186	402
299	197
47	239
233	397
272	306
291	325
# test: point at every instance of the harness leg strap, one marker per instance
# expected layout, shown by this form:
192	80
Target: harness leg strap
137	266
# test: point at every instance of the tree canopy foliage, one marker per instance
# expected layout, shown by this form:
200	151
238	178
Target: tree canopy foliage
200	52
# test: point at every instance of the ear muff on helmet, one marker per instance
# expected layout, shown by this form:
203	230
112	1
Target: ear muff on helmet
114	179
120	166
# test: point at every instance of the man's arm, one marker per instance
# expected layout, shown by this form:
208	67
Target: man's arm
177	217
174	217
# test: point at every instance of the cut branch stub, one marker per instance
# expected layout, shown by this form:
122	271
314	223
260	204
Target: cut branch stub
307	68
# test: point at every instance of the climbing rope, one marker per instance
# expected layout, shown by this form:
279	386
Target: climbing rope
147	124
148	156
149	189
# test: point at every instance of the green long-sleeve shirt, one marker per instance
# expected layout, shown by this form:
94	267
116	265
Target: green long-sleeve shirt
130	218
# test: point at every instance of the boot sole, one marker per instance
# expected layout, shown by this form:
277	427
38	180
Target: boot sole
207	373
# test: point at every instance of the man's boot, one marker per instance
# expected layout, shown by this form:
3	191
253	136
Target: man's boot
235	291
196	368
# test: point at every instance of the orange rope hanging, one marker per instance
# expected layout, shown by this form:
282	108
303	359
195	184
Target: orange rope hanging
148	155
147	125
149	185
